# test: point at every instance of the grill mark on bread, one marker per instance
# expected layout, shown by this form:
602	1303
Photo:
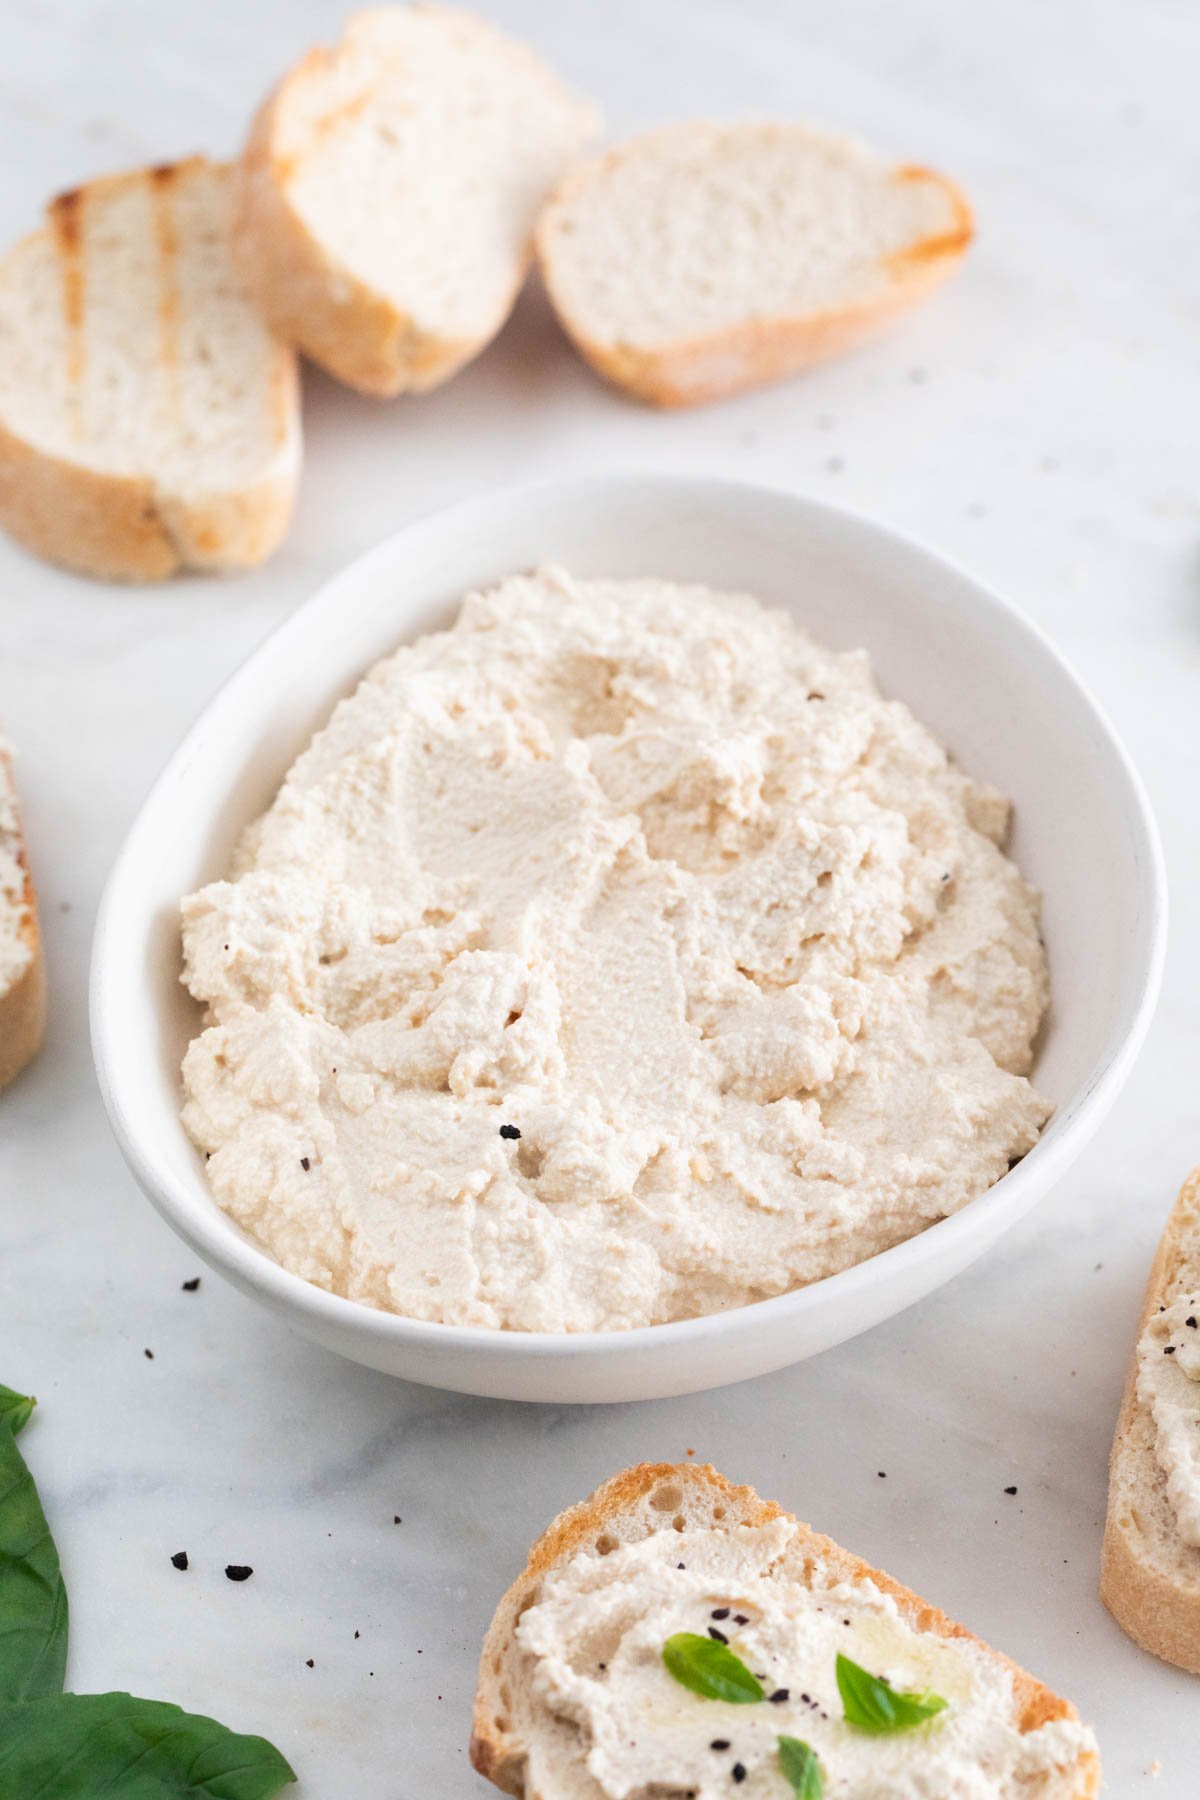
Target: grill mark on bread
65	214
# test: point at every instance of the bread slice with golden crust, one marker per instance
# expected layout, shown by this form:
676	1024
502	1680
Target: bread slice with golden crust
654	1497
389	188
1149	1577
701	259
149	421
22	970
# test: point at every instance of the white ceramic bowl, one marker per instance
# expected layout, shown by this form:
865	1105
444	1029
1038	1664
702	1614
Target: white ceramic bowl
973	669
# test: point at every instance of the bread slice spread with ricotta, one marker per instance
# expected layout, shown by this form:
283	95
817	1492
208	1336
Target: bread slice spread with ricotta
1150	1567
22	976
389	189
701	259
149	421
577	1701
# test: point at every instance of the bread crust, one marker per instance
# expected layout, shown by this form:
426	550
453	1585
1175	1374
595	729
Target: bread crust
1157	1606
496	1750
120	527
23	1005
694	371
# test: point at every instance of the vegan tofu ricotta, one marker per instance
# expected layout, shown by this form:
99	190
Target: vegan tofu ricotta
615	956
1168	1386
596	1701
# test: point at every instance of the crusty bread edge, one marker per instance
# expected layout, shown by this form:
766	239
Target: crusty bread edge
23	1006
1155	1611
717	364
498	1754
120	528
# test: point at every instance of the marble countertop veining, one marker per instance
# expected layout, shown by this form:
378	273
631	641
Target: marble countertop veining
1037	422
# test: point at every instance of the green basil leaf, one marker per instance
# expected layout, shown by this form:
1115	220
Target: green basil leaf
81	1746
33	1600
15	1409
801	1768
870	1703
710	1669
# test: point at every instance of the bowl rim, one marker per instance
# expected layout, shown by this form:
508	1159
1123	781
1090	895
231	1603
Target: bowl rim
236	1256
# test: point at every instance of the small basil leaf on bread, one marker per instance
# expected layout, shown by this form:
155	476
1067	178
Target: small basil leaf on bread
710	1669
798	1761
872	1704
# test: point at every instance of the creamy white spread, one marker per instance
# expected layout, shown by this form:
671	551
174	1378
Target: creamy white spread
1168	1386
16	947
616	956
596	1700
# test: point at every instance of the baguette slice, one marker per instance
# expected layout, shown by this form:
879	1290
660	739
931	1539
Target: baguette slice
148	420
388	192
702	259
657	1497
1150	1577
22	972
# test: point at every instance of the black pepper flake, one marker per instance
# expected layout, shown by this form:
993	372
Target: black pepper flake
740	1619
310	1664
1168	1350
238	1571
149	1355
179	1560
681	1565
189	1287
718	1635
509	1131
357	1634
602	1665
1191	1323
779	1696
719	1744
738	1771
720	1612
882	1473
305	1164
1010	1490
396	1519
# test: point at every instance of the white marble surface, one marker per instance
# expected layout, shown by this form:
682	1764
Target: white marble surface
1037	422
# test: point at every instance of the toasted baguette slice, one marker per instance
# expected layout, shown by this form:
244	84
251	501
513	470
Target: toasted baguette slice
22	973
148	419
701	259
665	1497
389	189
1149	1577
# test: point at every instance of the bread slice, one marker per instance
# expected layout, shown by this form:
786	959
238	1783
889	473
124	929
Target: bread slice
1150	1577
148	419
701	259
22	972
388	192
665	1497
